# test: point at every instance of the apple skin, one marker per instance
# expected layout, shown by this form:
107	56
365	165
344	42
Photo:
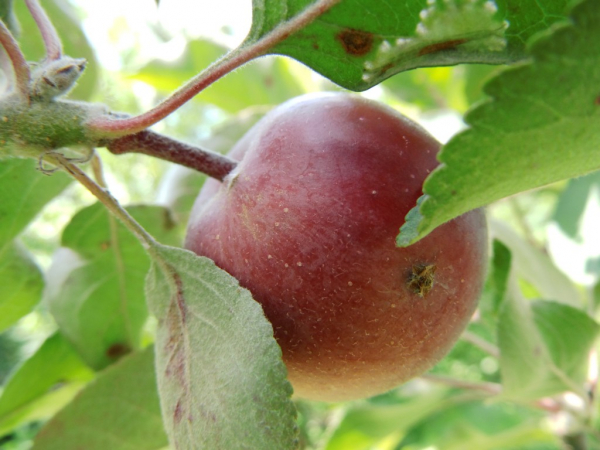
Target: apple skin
307	222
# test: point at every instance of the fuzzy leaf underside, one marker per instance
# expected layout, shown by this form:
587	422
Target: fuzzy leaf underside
220	376
359	43
541	125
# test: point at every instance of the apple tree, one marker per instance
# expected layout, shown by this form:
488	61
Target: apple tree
114	336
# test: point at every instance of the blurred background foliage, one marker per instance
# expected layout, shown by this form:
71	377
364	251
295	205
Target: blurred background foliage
139	53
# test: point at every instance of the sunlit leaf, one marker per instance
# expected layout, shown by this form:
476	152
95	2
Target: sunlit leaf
572	201
542	125
266	82
536	267
543	345
219	370
119	410
358	44
43	384
96	288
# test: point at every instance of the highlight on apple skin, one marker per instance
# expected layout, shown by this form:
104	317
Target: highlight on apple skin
307	222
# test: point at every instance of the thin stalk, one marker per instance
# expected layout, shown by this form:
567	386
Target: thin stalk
105	198
484	345
17	59
109	127
150	143
489	388
49	35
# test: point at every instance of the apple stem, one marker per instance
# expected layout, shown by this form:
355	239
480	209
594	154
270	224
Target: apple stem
50	37
106	126
150	143
20	68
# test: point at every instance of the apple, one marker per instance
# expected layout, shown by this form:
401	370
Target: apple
307	222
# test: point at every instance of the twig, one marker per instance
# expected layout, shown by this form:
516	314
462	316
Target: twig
105	198
489	388
109	127
150	143
17	59
49	34
484	345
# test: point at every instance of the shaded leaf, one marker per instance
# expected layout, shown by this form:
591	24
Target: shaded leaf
95	290
358	44
23	193
21	284
220	375
542	125
119	410
43	384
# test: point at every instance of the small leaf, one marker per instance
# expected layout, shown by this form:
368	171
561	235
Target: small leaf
21	284
358	44
497	278
220	375
74	40
119	410
43	384
96	289
543	125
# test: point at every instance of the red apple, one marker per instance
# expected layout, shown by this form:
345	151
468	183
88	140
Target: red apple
307	222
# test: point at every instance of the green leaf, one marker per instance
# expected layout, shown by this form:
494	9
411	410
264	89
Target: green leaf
535	266
572	201
497	278
119	410
271	80
43	384
21	284
480	425
542	125
220	375
543	346
364	426
96	286
23	193
358	44
74	41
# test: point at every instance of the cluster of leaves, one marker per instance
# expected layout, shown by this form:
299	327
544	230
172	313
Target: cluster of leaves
219	377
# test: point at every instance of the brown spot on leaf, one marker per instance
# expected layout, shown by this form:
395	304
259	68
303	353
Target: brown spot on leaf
117	351
104	245
597	101
168	221
356	42
420	280
439	46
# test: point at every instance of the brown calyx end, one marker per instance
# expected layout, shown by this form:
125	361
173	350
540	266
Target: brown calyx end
420	280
